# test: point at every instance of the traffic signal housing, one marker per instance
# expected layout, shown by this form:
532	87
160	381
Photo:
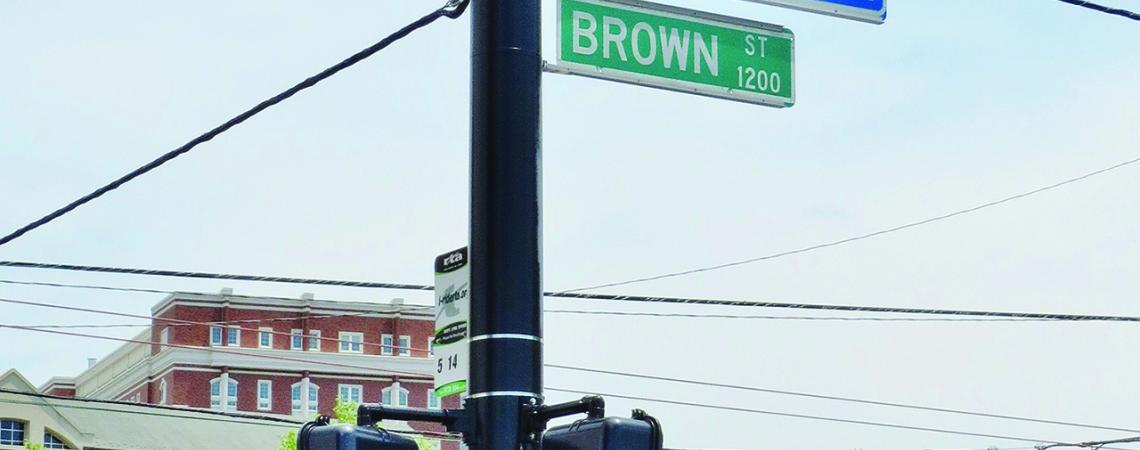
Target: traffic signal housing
642	432
347	437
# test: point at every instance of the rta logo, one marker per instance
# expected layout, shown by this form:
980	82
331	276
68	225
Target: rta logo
454	258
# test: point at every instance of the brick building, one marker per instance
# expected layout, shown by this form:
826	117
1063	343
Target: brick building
265	355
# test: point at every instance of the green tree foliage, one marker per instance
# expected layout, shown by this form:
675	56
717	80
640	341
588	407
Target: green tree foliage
345	412
288	441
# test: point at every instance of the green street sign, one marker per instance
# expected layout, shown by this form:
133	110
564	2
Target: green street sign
677	49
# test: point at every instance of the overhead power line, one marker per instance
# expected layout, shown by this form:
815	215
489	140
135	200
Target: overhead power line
1105	9
212	349
453	9
204	412
408	308
200	414
802	416
803	318
838	398
216	276
862	236
848	308
181	322
607	297
1096	445
599	371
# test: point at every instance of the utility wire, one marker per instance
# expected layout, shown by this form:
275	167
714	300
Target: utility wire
608	297
551	311
171	292
186	322
848	308
1092	444
626	374
838	398
181	322
205	414
860	237
267	418
154	414
213	349
1105	9
804	318
453	9
216	276
802	416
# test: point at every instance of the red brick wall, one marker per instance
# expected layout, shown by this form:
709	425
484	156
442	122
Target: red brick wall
372	327
62	392
192	388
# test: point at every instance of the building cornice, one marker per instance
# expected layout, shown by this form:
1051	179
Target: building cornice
312	306
315	363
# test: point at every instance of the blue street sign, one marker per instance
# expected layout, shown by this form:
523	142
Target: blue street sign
871	11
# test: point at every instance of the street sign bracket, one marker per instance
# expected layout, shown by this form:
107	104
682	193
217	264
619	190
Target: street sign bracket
698	14
635	80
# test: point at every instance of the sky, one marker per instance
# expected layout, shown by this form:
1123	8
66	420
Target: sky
364	177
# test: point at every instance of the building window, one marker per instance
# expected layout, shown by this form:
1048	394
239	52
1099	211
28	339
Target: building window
405	345
233	336
351	342
162	392
296	339
298	402
216	394
11	432
386	344
350	393
314	340
401	399
265	337
53	441
264	395
215	335
164	336
432	399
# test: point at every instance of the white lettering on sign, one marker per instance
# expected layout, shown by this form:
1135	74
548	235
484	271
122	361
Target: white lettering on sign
587	33
674	46
703	52
750	45
639	30
609	37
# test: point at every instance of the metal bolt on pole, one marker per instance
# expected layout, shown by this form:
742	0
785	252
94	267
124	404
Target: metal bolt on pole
506	276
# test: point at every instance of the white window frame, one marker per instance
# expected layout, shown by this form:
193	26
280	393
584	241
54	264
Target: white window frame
265	403
297	406
263	332
405	345
23	431
162	390
395	388
314	339
223	399
233	333
357	387
431	396
221	336
296	339
346	342
387	343
60	443
164	337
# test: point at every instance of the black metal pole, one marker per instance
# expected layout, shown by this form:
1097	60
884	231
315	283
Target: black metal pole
506	275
